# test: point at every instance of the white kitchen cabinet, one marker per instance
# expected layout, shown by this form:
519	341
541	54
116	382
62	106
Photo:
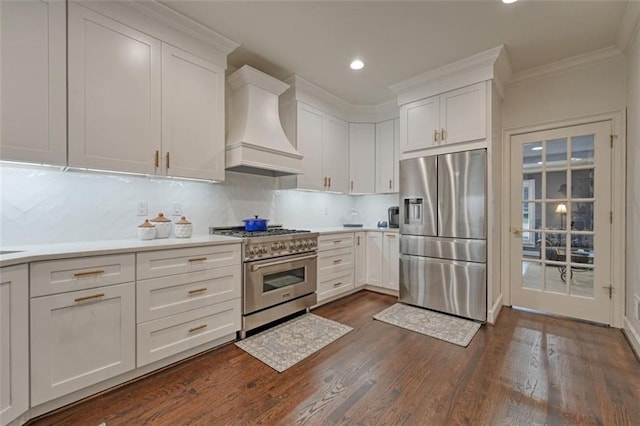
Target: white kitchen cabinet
139	105
374	258
14	343
323	140
33	80
114	95
386	157
362	158
360	259
81	338
456	116
193	142
391	261
335	265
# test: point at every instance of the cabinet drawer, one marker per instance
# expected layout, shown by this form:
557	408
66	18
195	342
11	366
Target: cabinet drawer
160	297
81	338
333	241
334	284
162	263
58	276
171	335
335	260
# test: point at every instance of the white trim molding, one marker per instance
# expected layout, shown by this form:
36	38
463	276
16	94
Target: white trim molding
632	336
494	311
629	26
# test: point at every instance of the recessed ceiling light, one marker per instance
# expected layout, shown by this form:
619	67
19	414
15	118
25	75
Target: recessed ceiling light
357	64
509	1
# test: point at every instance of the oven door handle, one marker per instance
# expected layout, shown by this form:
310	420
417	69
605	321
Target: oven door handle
266	265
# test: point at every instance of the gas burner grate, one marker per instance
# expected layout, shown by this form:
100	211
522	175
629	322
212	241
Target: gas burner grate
241	233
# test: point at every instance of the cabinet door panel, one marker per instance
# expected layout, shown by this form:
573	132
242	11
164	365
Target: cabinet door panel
360	259
335	153
114	94
309	138
463	113
33	81
374	258
362	157
391	265
386	160
418	122
192	115
81	338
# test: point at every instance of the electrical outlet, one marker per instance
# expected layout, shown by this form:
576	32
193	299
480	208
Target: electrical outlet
142	208
177	208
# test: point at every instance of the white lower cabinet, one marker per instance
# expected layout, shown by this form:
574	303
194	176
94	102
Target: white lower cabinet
360	258
335	265
374	258
14	343
81	338
382	264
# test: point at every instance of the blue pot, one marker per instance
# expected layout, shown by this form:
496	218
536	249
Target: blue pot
255	224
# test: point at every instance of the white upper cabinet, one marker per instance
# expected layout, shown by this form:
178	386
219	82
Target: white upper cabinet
33	81
362	151
386	157
335	154
192	115
309	136
114	94
456	116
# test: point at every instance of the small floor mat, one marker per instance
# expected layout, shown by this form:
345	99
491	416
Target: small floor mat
441	326
287	344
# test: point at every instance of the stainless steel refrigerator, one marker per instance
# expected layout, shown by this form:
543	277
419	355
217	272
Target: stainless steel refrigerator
443	241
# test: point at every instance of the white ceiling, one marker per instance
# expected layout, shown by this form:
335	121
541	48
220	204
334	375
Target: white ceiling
397	40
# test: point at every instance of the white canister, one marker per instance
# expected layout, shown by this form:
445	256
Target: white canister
146	230
163	226
182	228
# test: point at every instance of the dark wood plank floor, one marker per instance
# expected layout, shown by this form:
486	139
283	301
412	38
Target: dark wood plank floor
527	369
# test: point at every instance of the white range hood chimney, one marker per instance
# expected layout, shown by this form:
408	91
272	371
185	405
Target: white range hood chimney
256	142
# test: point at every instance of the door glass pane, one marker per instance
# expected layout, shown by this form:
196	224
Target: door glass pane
532	155
532	275
582	216
582	183
582	243
555	279
582	150
581	281
556	215
557	153
532	186
557	184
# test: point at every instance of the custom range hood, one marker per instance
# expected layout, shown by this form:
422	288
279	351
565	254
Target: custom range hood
256	143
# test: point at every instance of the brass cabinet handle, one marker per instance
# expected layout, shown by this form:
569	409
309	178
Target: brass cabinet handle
337	241
358	240
329	181
391	236
435	136
197	259
86	273
337	261
444	135
168	160
352	185
390	186
157	159
82	299
338	284
200	327
198	290
325	182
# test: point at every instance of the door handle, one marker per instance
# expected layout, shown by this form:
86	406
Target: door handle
435	135
266	265
516	231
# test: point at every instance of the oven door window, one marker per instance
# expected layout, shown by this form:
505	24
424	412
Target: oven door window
283	279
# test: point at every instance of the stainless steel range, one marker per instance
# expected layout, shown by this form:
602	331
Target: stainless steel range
279	273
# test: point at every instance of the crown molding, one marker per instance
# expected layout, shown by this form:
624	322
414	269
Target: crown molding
629	27
565	65
311	94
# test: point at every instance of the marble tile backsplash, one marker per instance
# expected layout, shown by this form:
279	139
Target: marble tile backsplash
42	205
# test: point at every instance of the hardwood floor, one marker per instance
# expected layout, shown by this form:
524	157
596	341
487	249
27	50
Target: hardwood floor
527	369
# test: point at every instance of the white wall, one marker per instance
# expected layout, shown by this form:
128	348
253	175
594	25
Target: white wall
45	205
633	186
593	90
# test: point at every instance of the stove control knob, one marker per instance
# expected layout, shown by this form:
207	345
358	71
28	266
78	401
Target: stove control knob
292	246
298	245
275	246
305	244
263	250
282	246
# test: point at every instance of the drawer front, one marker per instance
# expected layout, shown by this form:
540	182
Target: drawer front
171	335
335	260
334	284
334	241
59	276
163	263
161	297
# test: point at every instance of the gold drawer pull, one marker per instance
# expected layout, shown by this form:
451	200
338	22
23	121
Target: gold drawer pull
198	290
337	261
82	299
200	327
198	259
84	274
338	284
337	241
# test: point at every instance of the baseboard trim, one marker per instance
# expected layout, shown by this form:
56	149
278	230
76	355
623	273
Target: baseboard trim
494	312
632	337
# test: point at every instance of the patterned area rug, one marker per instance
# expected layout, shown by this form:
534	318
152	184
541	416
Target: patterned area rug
444	327
287	344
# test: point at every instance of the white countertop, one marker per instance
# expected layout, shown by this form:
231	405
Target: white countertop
31	253
338	229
